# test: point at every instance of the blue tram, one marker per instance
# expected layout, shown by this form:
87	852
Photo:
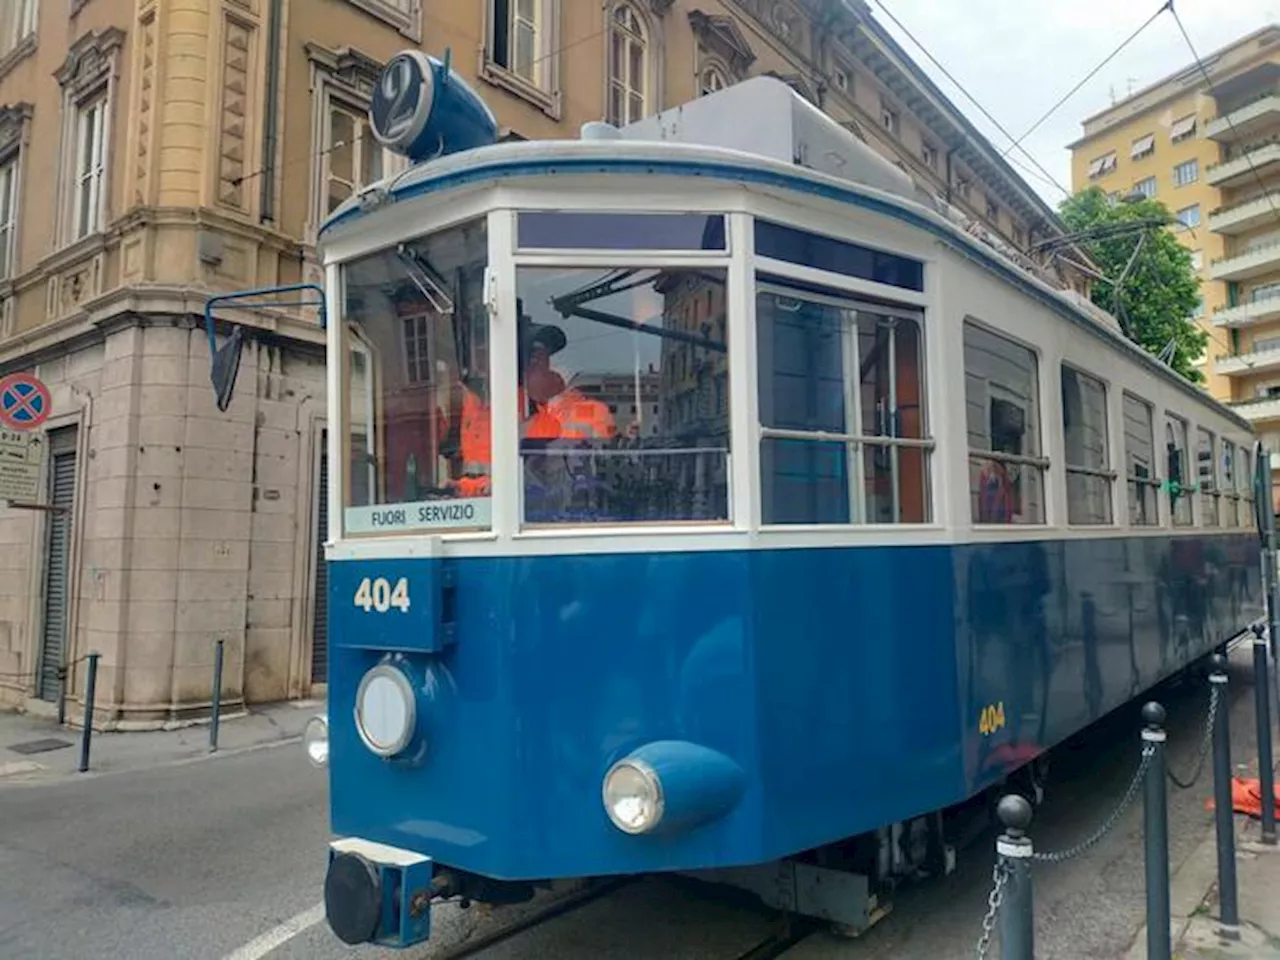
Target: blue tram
806	512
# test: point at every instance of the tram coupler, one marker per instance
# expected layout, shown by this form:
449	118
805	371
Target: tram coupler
378	894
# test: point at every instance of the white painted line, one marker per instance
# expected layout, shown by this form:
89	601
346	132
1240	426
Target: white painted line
260	946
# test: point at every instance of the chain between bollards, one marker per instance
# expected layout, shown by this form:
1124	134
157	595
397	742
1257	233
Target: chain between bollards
90	687
217	698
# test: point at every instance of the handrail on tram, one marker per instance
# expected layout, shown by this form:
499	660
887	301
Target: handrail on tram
224	362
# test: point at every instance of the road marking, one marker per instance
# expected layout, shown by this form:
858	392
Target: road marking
260	946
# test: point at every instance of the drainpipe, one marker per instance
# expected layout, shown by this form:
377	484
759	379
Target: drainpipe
271	116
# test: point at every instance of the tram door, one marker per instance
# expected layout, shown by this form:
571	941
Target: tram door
61	493
320	586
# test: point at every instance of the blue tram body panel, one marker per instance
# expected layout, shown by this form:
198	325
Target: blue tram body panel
845	683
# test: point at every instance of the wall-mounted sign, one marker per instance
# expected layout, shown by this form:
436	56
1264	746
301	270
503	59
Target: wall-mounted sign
21	460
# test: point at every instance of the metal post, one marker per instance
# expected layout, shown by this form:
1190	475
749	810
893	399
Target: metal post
1155	831
217	698
1224	815
62	694
1017	919
89	687
1262	706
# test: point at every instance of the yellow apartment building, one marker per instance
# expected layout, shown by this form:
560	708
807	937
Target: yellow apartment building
1212	155
155	151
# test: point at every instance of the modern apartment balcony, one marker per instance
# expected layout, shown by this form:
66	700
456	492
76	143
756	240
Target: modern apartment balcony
1263	157
1247	364
1263	310
1261	260
1240	217
1258	410
1244	122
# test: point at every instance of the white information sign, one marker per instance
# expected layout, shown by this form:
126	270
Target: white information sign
423	515
21	457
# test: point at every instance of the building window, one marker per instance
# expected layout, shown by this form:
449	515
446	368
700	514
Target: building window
1175	441
842	412
352	157
628	67
888	119
1139	455
1143	147
1197	260
90	168
1146	187
8	215
1183	129
521	48
1190	216
1186	172
1084	428
1207	477
711	80
1198	310
1002	399
1101	166
17	22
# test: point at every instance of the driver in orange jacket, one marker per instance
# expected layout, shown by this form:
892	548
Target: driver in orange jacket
549	409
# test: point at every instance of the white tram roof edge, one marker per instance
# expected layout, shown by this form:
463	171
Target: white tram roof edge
759	133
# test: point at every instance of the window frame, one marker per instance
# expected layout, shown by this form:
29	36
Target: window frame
1171	419
1193	165
1212	498
22	34
543	90
10	167
1106	472
89	170
1155	480
1230	484
645	39
1042	463
855	442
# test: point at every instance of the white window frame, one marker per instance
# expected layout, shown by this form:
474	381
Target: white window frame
404	15
1192	167
10	192
542	89
89	167
22	26
629	84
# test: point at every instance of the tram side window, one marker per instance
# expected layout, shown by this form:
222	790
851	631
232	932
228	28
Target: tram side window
600	349
1006	462
839	446
1140	462
1084	428
1175	441
1230	495
1207	480
1244	483
416	373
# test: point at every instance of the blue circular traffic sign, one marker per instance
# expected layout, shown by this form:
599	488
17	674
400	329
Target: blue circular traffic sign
401	102
24	402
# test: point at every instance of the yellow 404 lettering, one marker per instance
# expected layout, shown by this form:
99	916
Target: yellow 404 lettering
377	593
991	718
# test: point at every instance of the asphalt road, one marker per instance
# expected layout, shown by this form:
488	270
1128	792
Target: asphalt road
223	859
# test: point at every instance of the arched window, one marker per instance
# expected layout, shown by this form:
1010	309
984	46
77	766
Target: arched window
712	79
628	67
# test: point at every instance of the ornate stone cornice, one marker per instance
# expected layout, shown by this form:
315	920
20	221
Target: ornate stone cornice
721	36
90	59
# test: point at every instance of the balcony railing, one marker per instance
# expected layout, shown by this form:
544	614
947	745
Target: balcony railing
1258	310
1243	119
1255	361
1255	156
1252	262
1245	215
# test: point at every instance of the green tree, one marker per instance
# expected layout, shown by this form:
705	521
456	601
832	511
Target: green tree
1160	291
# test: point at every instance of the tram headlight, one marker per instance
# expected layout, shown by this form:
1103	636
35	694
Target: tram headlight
316	740
633	796
386	710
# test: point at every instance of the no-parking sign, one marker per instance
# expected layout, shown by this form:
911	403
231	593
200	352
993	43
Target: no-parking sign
25	403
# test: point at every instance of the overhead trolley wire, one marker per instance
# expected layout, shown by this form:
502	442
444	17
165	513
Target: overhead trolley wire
1168	5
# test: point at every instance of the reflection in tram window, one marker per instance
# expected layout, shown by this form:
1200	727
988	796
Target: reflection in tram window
1175	430
1002	398
600	230
624	395
1139	455
1230	495
1084	427
418	359
840	446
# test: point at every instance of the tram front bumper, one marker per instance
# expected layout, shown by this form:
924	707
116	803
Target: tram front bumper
379	894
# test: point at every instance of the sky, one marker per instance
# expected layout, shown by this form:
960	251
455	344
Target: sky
1019	57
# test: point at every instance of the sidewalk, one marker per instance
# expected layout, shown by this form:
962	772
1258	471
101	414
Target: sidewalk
1194	901
37	750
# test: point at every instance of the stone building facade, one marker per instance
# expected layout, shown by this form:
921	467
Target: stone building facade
153	152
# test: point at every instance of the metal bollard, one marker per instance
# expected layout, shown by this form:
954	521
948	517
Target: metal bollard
90	686
1262	707
1224	815
1155	833
217	698
1014	847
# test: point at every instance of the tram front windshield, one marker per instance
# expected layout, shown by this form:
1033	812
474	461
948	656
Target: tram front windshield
622	393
